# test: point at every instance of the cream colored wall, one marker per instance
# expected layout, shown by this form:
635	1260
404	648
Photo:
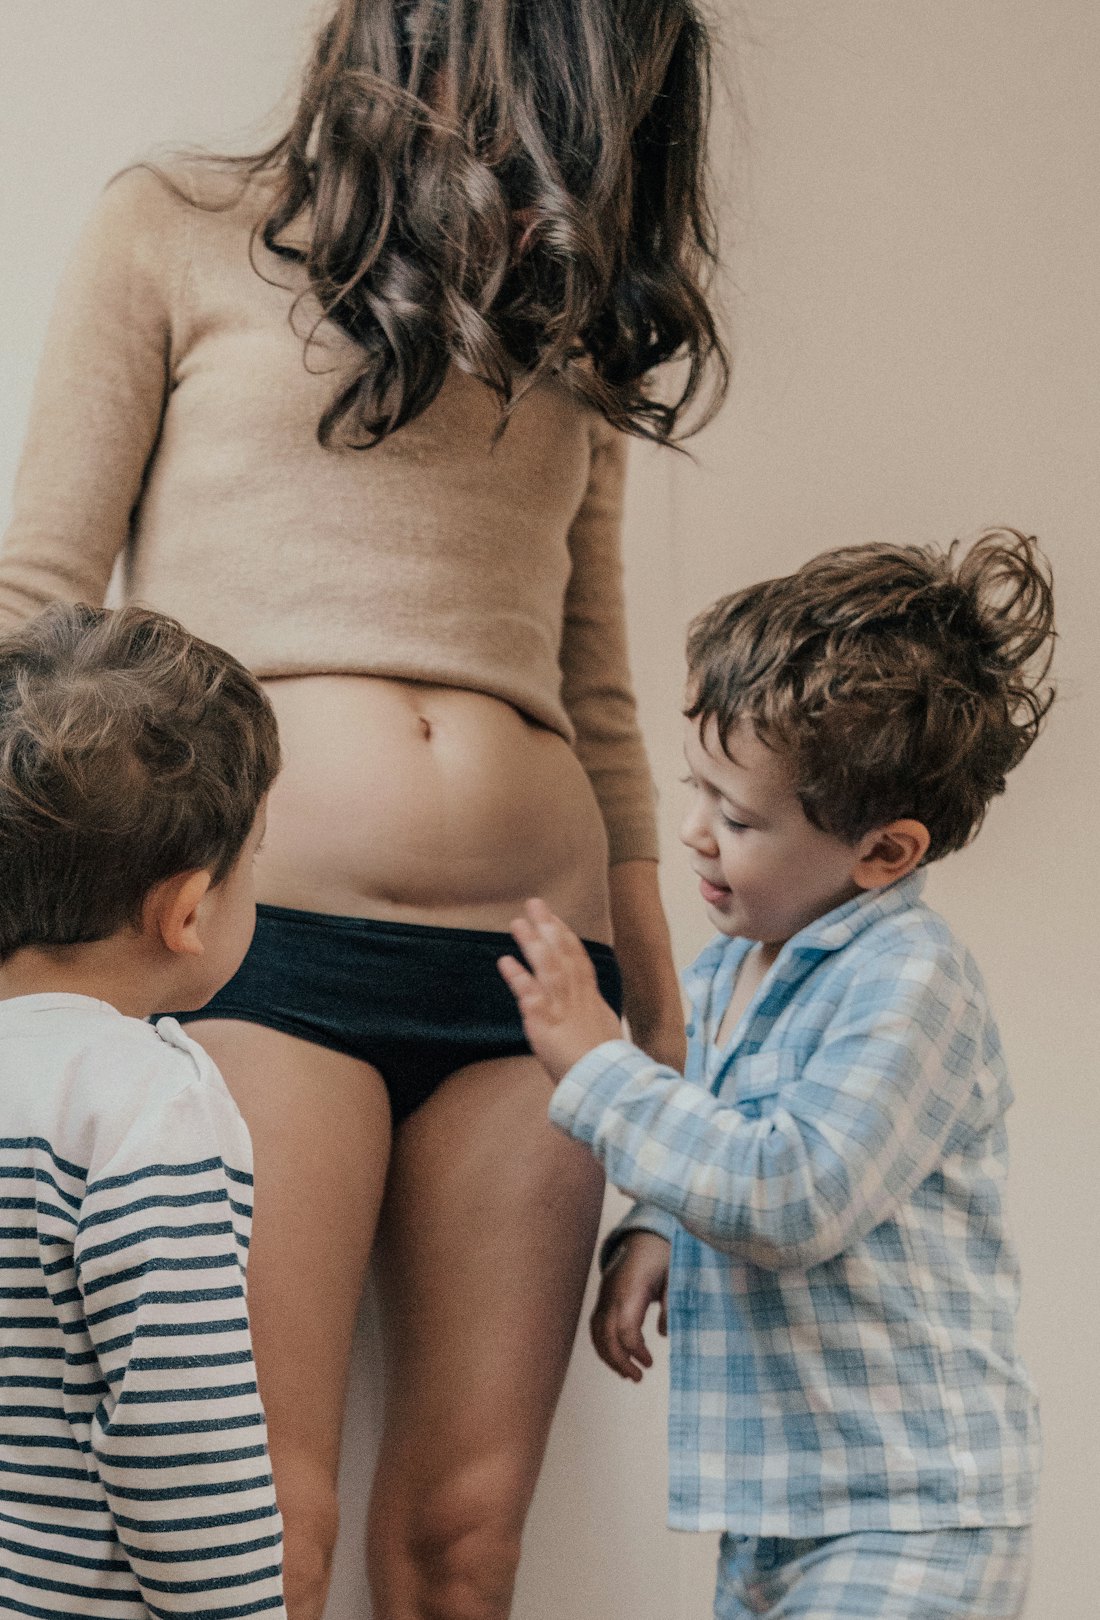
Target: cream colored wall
916	238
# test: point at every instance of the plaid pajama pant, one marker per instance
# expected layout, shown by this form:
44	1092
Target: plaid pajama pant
875	1575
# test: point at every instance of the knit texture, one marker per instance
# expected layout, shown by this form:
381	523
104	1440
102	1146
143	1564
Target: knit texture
174	428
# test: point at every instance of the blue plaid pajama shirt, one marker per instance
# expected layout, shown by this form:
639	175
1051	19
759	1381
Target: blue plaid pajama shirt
842	1294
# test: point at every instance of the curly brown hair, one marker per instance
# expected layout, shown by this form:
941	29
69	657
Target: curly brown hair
130	751
900	681
516	189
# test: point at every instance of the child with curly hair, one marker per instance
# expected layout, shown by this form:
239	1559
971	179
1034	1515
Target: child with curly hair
848	1405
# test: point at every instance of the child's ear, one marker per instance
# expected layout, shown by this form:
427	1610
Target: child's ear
171	912
889	853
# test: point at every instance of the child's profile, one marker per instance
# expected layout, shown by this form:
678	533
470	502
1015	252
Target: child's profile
848	1402
135	760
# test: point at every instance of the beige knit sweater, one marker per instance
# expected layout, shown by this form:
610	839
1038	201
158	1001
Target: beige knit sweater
175	423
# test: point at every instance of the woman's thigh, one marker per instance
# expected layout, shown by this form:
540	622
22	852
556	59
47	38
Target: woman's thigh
484	1247
320	1128
951	1574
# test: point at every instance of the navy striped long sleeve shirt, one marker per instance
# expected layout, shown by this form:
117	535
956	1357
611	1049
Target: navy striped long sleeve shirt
134	1471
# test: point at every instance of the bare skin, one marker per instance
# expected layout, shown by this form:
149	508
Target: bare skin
428	805
424	804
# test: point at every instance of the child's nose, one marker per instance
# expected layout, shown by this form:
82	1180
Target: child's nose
695	831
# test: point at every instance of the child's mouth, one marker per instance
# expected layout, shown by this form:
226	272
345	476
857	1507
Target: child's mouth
712	893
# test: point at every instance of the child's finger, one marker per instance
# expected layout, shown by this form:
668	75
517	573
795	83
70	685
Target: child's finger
523	985
541	950
524	932
605	1342
514	972
632	1338
539	912
610	1350
550	926
634	1352
530	939
625	1321
547	923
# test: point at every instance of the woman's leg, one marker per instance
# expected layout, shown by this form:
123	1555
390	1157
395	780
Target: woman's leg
484	1247
320	1127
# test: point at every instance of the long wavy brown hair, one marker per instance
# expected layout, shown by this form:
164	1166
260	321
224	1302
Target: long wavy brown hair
515	187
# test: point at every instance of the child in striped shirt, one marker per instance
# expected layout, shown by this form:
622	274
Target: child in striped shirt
134	1474
848	1406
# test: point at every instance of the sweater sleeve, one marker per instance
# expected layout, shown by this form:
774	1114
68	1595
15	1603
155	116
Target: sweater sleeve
596	686
98	401
179	1440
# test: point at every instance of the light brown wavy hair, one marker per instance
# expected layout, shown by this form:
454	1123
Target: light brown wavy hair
515	187
130	751
899	681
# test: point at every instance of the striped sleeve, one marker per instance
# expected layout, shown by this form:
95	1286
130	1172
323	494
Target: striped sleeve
179	1439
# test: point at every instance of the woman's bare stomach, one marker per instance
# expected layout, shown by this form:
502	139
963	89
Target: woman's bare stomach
426	804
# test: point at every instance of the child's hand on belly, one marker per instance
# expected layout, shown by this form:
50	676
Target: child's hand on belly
564	1015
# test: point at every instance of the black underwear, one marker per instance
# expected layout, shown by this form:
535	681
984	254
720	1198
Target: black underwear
416	1002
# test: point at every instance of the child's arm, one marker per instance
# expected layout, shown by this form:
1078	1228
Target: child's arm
179	1438
852	1133
634	1260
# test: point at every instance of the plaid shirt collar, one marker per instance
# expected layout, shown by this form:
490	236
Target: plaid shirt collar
831	932
710	979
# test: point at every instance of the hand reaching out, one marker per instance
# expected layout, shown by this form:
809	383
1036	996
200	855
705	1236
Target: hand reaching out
564	1015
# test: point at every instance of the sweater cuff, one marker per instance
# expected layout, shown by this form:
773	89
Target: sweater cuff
633	842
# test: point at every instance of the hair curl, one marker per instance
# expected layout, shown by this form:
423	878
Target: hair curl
516	189
130	751
900	680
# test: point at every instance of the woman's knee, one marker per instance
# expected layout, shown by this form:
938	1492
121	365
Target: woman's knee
456	1543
